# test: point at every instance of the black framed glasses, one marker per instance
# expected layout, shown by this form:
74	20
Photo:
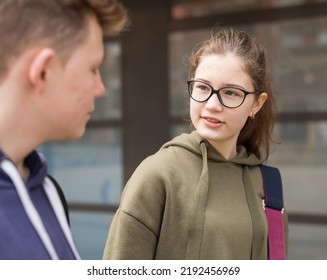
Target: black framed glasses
230	97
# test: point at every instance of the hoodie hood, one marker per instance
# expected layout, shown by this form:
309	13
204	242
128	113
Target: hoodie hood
192	143
37	167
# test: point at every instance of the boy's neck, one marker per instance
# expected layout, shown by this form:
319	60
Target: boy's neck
23	171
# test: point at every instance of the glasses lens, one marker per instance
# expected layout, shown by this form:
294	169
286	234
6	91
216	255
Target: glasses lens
199	91
231	97
228	96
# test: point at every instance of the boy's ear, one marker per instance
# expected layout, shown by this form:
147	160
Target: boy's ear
37	72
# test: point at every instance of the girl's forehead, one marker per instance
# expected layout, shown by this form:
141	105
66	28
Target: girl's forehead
223	69
222	63
226	57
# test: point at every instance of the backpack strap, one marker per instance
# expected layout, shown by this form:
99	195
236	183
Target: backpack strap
273	204
61	195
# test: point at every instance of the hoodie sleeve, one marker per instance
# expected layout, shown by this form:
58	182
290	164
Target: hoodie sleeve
129	239
135	229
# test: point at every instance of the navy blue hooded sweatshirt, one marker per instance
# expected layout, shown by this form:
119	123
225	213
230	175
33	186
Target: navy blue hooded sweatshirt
19	237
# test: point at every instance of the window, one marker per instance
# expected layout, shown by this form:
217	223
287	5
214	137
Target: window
194	8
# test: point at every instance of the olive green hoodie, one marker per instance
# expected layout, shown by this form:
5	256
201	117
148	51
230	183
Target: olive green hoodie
188	202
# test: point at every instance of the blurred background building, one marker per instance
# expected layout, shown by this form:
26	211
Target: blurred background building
147	104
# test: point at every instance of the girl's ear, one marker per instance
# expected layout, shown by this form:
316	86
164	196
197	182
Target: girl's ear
37	72
258	103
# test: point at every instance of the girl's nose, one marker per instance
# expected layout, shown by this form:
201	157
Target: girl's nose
214	103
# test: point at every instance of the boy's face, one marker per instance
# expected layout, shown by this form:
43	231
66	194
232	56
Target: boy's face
73	87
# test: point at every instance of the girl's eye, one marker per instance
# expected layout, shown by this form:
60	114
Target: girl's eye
230	93
202	87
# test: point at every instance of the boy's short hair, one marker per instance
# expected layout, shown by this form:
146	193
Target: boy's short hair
61	24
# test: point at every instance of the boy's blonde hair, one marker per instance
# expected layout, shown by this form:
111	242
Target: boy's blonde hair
61	24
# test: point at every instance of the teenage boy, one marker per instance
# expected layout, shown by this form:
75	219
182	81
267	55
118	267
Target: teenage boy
50	53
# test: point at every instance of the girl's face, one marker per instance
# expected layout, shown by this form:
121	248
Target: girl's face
220	125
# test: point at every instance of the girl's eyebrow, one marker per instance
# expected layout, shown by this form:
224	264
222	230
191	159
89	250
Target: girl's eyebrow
235	85
225	85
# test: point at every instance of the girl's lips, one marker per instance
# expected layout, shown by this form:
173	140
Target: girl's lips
211	122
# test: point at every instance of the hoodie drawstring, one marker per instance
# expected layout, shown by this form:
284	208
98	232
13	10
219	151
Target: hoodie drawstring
33	214
258	241
197	212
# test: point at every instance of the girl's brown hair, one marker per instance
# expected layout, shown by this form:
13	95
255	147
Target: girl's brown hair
256	135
